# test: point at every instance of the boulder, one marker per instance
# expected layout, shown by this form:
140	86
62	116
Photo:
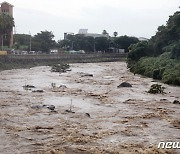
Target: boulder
124	84
176	102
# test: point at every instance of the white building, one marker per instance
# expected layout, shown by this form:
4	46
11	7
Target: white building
85	33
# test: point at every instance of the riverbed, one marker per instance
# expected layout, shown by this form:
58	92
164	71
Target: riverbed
91	115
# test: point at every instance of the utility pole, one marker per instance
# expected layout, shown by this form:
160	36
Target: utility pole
94	45
72	45
30	42
2	43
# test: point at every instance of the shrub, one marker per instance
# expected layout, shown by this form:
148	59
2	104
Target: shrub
156	89
60	68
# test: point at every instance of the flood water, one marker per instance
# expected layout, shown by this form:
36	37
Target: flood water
103	118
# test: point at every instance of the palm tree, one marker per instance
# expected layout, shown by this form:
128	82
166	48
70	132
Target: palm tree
6	25
115	34
105	32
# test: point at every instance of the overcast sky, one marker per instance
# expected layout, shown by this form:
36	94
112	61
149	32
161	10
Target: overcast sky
139	18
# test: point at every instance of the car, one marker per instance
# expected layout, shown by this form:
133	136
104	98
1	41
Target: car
72	51
81	51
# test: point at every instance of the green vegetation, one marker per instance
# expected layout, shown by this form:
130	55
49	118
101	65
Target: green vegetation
42	41
91	44
22	41
156	89
60	68
159	57
6	25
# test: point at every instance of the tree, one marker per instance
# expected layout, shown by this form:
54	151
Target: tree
124	42
115	34
166	35
22	41
64	44
160	56
138	50
43	41
105	32
102	43
6	25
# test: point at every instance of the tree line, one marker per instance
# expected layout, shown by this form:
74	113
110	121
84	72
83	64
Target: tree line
44	40
159	57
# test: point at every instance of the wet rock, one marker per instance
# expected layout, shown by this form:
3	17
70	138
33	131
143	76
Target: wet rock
62	86
88	115
176	102
86	75
163	99
69	111
124	84
29	86
51	107
40	127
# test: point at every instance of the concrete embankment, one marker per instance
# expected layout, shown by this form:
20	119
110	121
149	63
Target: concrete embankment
109	57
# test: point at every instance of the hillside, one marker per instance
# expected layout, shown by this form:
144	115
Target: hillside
159	57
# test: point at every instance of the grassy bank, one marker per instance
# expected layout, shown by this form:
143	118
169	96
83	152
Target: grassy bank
159	57
161	68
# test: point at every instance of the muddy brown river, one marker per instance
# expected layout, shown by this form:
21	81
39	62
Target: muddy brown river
91	114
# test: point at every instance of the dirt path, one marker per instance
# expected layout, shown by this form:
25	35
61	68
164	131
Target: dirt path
103	118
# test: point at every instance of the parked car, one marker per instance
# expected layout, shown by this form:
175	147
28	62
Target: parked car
81	51
74	51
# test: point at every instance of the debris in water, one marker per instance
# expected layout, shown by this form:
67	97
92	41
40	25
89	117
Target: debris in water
37	91
156	89
176	102
62	86
60	68
88	115
70	108
40	127
28	87
86	74
51	107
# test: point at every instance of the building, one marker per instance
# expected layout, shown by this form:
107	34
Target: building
85	33
5	7
66	34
